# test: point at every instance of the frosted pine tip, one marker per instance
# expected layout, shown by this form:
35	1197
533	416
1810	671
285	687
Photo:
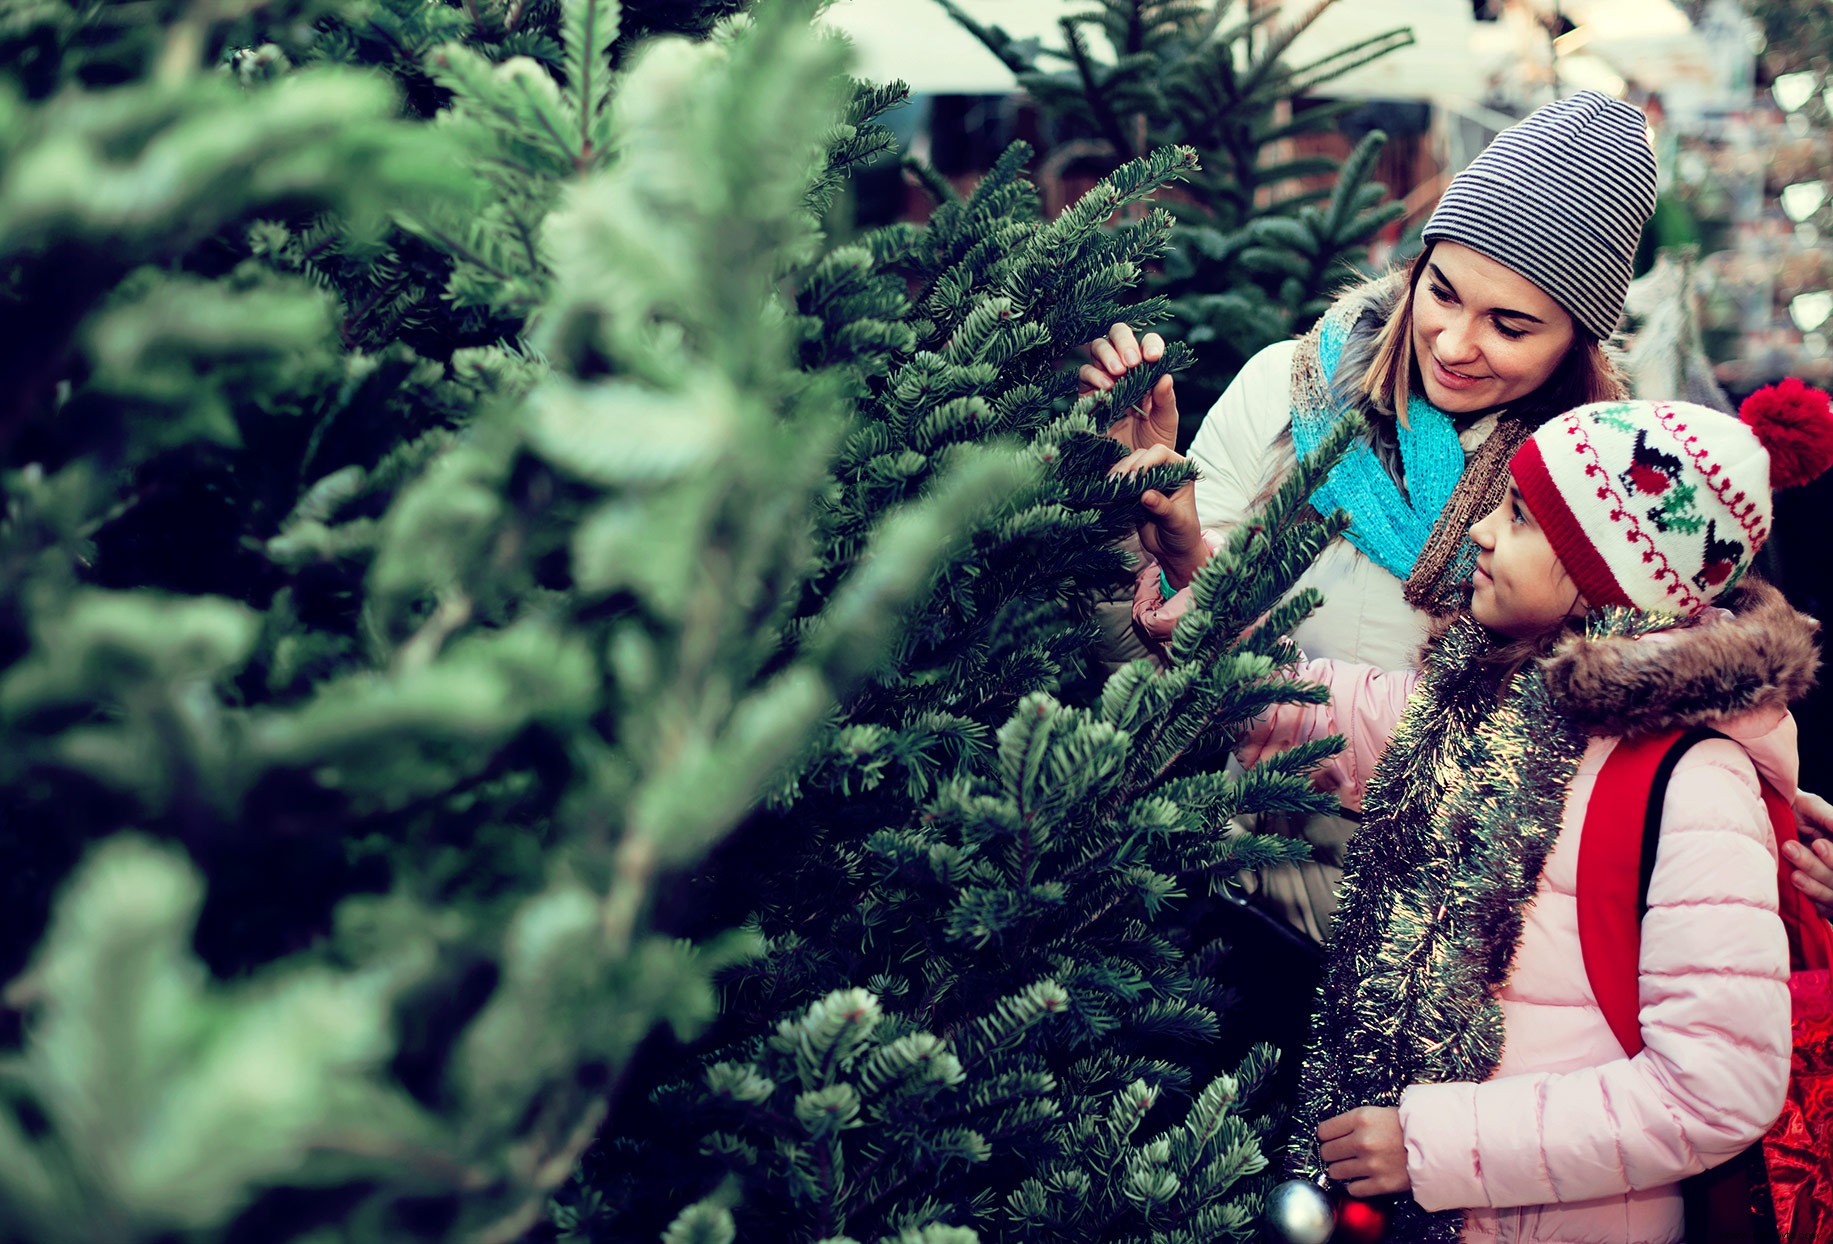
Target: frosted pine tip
1794	422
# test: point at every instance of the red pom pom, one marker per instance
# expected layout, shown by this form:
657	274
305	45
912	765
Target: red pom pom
1793	422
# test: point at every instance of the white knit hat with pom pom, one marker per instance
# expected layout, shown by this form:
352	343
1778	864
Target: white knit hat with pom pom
1663	505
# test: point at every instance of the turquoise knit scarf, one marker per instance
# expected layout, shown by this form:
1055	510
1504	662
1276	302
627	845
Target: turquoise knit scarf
1388	527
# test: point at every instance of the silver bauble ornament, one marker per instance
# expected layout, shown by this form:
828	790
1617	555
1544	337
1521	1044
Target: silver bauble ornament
1299	1212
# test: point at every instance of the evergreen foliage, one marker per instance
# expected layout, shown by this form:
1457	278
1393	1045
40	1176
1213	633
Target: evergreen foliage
449	481
972	966
1259	246
941	1090
352	699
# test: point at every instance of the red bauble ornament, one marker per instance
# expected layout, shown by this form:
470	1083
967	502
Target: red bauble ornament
1359	1222
1793	422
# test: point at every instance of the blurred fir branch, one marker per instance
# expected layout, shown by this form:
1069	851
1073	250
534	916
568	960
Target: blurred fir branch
381	641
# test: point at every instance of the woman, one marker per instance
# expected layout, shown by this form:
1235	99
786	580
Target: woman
1499	325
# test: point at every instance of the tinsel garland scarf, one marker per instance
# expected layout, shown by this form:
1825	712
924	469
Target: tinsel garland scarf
1460	814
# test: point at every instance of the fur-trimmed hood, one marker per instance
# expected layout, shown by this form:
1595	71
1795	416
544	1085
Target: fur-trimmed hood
1753	657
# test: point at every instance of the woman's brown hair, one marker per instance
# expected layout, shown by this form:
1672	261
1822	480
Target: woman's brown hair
1586	374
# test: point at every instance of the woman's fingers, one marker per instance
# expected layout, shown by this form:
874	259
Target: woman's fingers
1153	418
1813	874
1814	815
1124	344
1107	356
1161	411
1122	349
1093	379
1140	459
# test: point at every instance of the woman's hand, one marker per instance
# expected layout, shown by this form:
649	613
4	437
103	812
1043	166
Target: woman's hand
1168	528
1813	874
1153	421
1365	1151
1813	857
1813	816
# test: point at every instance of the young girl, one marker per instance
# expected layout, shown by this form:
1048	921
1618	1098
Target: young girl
1458	1053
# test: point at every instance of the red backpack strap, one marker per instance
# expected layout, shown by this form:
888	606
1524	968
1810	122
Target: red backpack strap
1610	850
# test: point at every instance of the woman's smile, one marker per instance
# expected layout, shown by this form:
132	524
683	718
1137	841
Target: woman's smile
1454	380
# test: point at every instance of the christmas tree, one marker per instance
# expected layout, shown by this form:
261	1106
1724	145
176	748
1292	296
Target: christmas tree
1034	1049
450	483
347	713
980	1002
1267	233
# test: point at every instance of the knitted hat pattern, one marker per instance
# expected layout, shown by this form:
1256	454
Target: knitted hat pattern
1663	505
1560	197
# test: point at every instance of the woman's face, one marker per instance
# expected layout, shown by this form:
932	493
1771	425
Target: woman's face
1520	588
1483	334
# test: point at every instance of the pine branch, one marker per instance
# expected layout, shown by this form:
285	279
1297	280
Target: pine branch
1094	91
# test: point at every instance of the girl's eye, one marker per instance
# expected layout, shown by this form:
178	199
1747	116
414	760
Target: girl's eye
1513	334
1441	293
1518	518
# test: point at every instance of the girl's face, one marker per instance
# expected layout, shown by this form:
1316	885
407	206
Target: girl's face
1520	589
1483	334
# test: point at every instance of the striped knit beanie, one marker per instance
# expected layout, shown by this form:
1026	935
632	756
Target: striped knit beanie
1560	197
1663	505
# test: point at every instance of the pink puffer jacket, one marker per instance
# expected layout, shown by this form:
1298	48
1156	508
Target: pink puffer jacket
1570	1141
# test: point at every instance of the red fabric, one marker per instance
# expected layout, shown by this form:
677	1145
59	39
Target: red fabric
1798	1150
1609	867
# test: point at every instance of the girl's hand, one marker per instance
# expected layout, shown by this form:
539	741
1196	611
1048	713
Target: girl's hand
1365	1151
1813	874
1168	526
1154	420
